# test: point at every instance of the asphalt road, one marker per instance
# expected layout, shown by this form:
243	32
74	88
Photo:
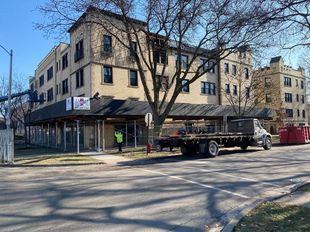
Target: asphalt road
172	194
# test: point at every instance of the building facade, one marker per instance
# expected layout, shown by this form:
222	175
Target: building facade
285	93
96	63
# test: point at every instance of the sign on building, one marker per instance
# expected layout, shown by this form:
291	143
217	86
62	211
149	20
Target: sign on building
69	103
77	103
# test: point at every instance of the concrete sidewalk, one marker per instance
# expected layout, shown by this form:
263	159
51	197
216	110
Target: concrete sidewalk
109	159
300	198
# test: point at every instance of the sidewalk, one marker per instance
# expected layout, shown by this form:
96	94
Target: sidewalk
109	159
301	197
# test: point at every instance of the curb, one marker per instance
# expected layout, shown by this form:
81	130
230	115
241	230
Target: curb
229	221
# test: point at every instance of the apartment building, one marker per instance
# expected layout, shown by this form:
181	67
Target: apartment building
94	63
285	93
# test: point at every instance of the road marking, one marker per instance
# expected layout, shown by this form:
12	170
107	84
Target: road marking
197	183
218	171
238	177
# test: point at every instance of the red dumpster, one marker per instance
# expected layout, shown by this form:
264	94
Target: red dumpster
294	135
283	133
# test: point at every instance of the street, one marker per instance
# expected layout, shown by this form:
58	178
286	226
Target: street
169	194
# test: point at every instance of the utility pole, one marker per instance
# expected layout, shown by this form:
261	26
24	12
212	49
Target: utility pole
8	116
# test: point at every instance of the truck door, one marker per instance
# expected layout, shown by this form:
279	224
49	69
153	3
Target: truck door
258	132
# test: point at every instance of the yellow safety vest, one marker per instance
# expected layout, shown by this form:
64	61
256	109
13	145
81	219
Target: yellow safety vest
119	137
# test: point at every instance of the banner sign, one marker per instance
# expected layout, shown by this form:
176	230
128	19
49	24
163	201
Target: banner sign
78	103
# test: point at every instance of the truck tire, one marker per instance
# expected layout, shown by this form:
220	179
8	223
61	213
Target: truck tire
244	147
159	147
213	148
268	144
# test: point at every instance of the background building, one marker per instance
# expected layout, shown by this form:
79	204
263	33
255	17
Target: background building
285	93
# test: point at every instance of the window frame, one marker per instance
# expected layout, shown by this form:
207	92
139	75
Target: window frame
130	78
185	89
106	67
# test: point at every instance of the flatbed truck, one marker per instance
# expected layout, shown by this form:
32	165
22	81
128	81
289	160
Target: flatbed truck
240	133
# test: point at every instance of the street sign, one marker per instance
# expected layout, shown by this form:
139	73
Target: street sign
148	119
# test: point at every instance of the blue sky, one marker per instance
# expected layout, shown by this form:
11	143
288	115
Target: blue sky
17	18
17	32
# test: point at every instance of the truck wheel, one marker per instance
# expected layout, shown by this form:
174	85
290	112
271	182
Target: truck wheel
159	147
213	148
244	147
268	144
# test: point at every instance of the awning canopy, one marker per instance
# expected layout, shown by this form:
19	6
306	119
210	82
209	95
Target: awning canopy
113	108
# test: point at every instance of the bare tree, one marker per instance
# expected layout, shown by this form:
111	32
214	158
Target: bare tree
243	88
20	106
209	29
293	17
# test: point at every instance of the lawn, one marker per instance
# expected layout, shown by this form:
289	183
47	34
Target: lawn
274	217
33	155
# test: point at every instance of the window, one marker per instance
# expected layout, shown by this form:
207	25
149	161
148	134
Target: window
41	98
161	57
287	81
227	88
289	113
31	87
211	65
185	86
64	61
235	90
267	81
50	73
302	84
208	88
247	93
163	81
297	97
207	65
50	94
268	98
302	99
79	78
133	78
79	51
107	75
107	44
183	60
303	113
65	88
134	48
234	70
203	64
246	73
298	113
296	83
226	67
41	80
288	97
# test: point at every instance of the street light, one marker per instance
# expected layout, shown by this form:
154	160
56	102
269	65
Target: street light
8	116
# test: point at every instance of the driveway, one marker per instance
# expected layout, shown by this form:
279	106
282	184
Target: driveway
168	194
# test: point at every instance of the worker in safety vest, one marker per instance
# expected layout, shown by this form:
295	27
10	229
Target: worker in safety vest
119	140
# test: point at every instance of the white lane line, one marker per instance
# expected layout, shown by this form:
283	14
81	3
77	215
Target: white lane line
220	172
197	183
238	177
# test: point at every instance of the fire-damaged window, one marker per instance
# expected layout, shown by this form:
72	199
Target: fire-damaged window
163	81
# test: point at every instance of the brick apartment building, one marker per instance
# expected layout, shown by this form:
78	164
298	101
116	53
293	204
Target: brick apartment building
94	63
